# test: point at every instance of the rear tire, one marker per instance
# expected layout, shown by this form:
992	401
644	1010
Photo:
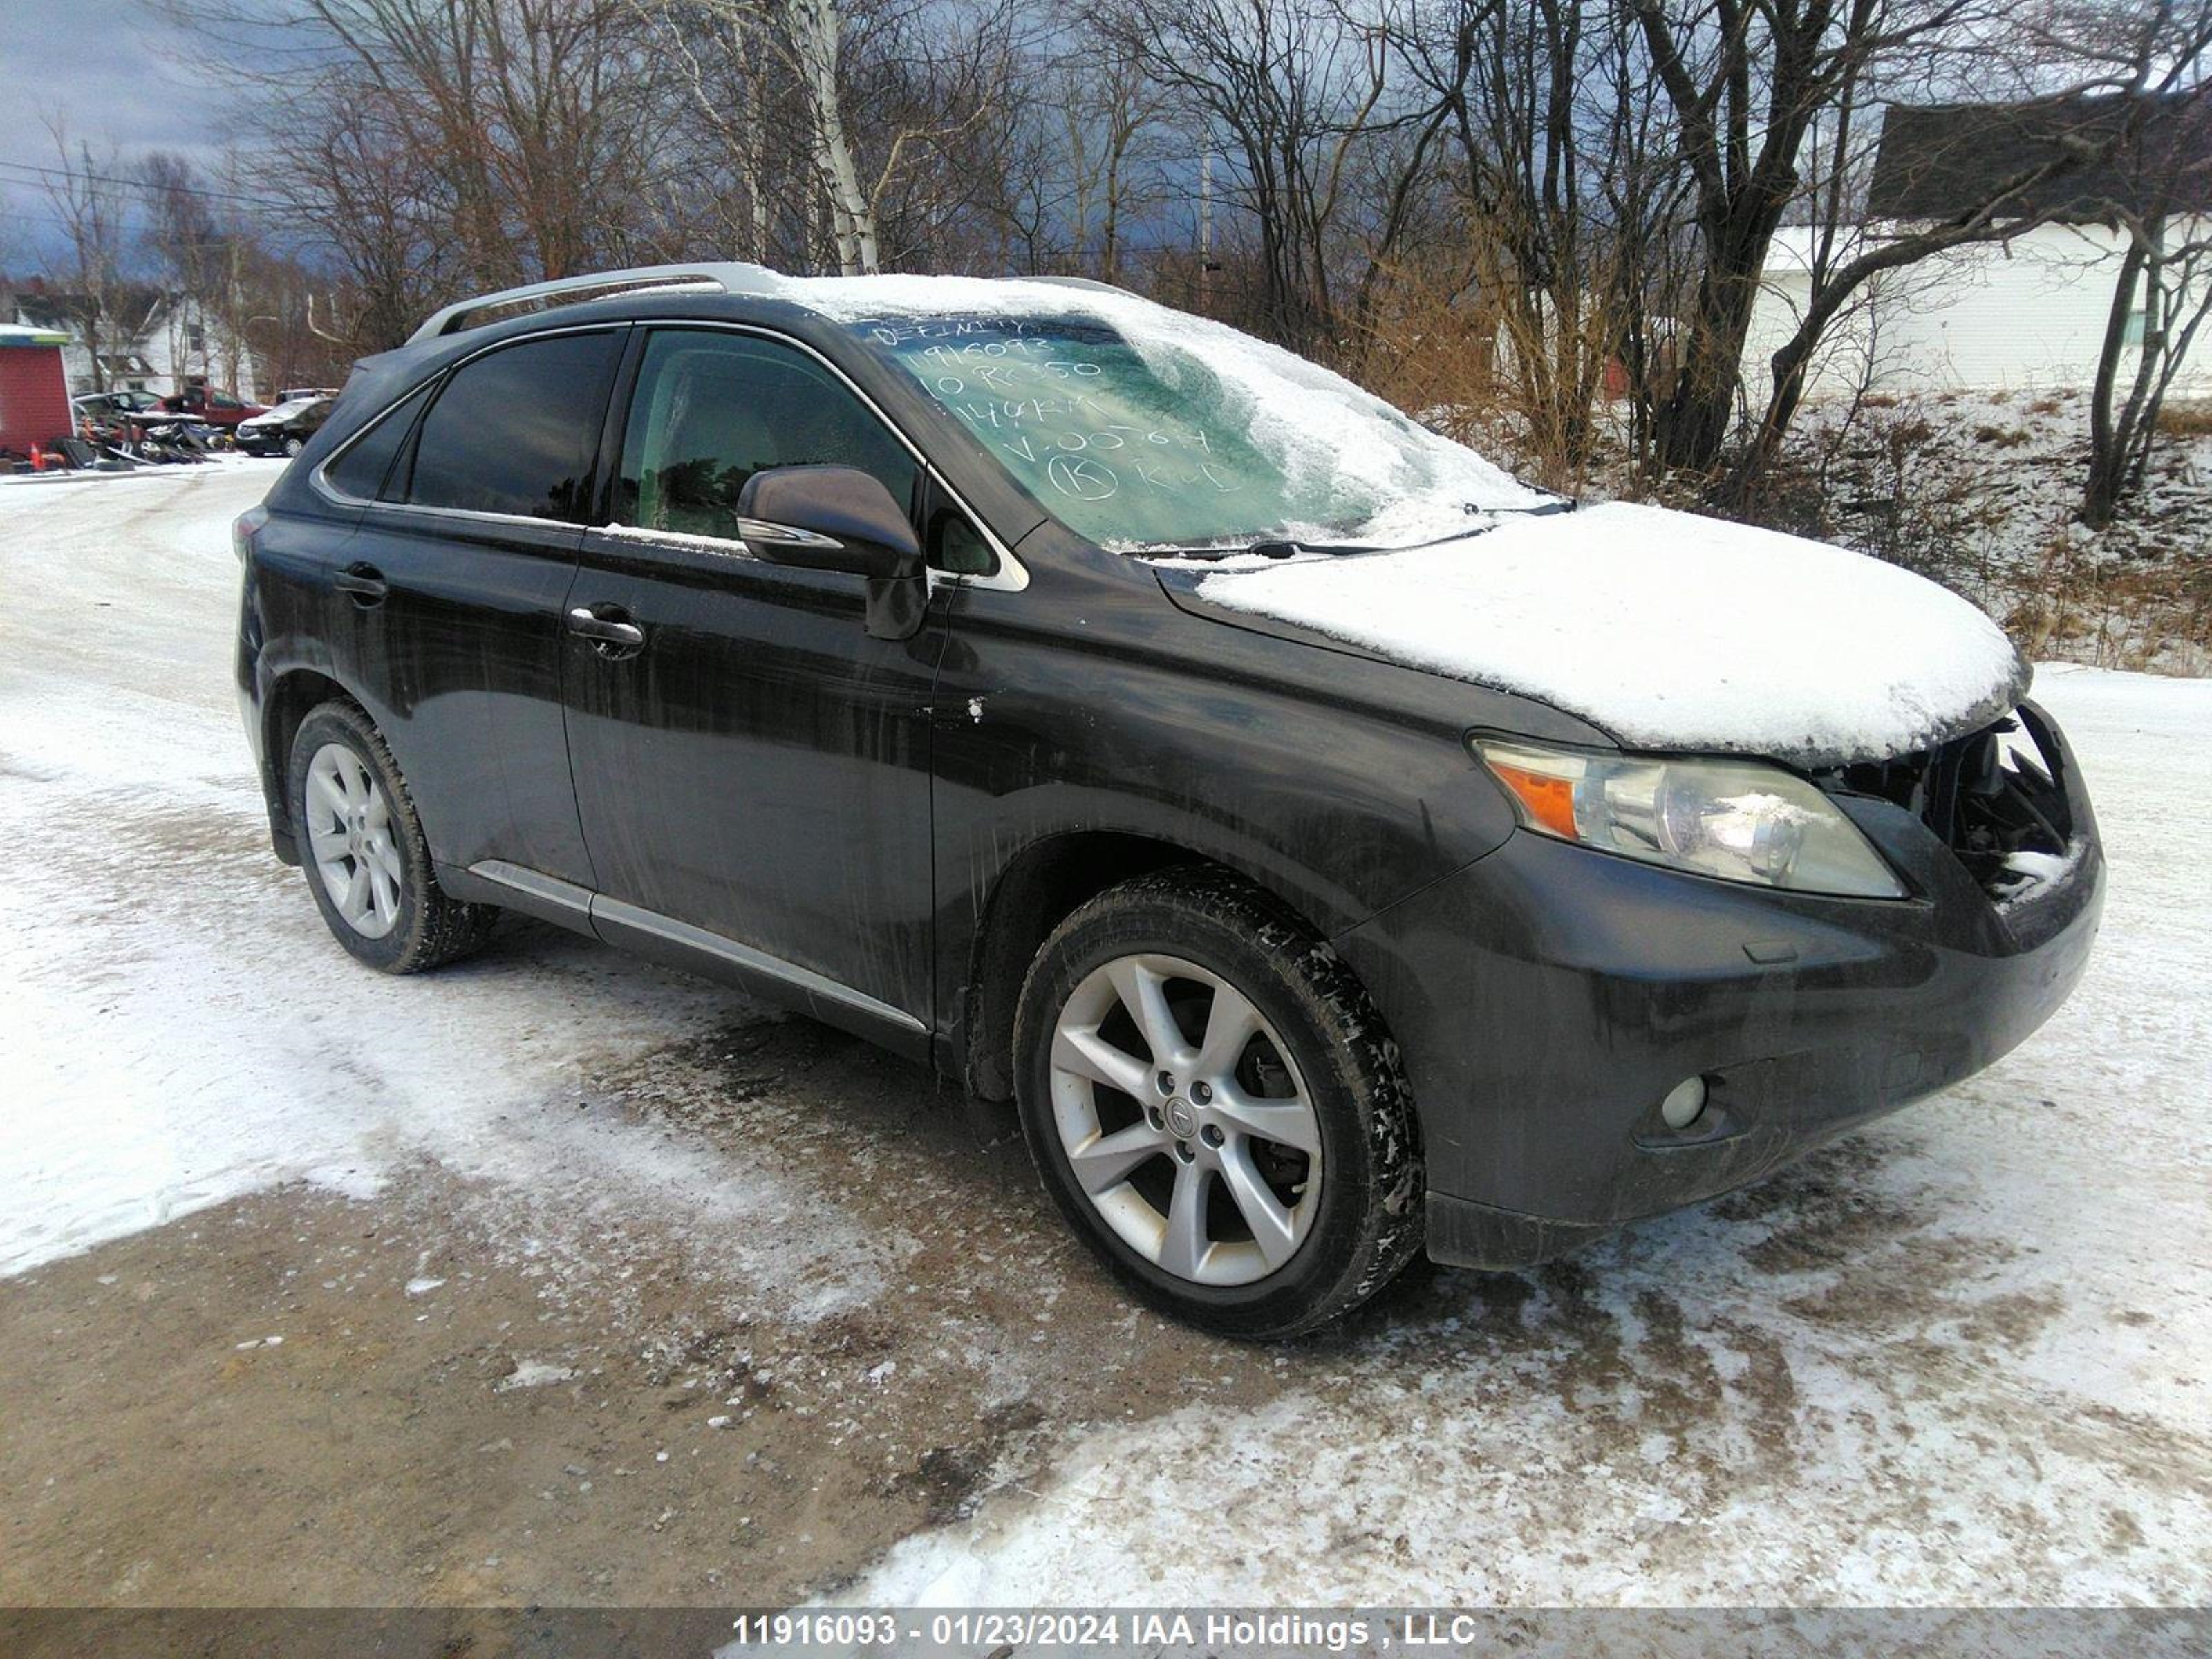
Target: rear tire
1250	1157
363	853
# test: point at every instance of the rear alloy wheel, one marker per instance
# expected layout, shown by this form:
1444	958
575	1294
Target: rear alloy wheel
1211	1101
294	445
361	846
348	820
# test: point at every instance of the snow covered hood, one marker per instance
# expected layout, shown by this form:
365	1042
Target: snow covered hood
1668	630
282	413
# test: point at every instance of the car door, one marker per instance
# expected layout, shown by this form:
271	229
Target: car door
448	602
752	769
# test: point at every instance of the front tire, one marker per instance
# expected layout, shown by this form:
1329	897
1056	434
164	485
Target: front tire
1213	1102
362	850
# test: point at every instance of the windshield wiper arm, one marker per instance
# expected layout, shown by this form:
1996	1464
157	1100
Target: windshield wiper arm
1278	548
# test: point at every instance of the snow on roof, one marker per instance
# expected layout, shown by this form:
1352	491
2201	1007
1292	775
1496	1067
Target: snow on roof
1668	630
15	334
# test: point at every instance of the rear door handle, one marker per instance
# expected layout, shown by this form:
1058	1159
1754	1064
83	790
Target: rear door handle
609	633
364	581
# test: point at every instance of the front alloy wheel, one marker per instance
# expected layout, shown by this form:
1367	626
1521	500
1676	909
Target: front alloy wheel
1203	1154
1216	1107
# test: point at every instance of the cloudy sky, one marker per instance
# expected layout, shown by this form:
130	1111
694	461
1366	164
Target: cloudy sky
120	73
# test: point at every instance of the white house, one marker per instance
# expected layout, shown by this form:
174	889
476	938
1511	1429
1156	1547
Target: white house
2028	312
149	340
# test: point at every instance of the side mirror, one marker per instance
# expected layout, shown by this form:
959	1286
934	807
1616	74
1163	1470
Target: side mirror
827	518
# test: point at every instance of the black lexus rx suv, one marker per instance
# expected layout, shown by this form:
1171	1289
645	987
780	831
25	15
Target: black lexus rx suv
1335	849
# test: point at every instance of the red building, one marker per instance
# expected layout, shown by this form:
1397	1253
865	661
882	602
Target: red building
34	405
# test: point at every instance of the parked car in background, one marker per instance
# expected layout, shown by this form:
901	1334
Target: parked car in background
212	405
1334	848
285	429
115	407
303	394
120	415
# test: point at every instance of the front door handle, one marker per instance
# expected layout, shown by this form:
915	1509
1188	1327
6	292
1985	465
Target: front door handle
611	634
365	582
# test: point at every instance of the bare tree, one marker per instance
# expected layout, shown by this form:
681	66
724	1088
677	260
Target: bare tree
524	129
354	188
1745	81
815	31
2119	66
2153	195
1292	87
896	100
1111	128
88	202
2160	301
1552	144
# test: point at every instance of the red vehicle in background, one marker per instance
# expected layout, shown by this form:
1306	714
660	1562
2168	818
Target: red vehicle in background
211	406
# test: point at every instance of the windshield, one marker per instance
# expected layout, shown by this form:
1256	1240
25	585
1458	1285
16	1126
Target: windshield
1144	429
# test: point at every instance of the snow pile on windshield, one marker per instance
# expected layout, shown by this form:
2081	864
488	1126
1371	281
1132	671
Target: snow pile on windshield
1390	480
1668	631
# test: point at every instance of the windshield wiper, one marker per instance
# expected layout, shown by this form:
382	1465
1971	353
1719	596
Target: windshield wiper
1278	548
1267	549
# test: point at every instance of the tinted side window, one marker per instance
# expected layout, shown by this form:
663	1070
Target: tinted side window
713	408
361	471
514	430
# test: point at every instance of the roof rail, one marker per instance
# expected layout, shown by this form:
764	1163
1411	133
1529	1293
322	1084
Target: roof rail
728	277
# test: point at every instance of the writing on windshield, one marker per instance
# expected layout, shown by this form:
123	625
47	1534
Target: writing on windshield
1126	451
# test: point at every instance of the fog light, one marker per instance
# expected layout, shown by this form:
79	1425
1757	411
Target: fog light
1685	1104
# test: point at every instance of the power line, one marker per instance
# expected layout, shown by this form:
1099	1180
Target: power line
144	184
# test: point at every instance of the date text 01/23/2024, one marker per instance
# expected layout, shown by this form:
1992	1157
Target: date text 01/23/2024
1076	1631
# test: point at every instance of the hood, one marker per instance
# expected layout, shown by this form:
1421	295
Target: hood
1668	630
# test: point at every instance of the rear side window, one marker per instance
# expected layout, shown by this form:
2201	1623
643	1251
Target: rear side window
361	471
712	409
514	430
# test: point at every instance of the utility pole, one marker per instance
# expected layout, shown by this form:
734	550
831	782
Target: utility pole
1205	230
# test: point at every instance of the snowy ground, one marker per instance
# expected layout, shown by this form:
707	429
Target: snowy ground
528	1228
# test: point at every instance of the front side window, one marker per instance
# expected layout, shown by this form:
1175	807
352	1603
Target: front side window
712	409
514	430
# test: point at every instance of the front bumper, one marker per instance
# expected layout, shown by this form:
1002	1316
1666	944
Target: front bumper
1545	997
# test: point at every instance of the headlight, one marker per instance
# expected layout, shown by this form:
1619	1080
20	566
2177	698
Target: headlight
1738	820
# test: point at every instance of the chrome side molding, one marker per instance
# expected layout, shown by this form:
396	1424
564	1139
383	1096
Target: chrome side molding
549	890
595	908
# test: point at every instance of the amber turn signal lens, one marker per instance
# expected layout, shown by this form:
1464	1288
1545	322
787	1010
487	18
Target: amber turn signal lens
1549	801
